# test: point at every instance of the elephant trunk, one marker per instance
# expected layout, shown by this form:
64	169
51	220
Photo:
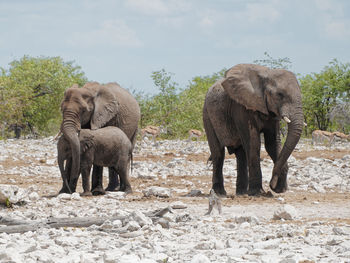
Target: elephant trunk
70	128
63	170
278	181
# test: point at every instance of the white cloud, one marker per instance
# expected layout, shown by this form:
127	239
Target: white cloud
333	21
206	22
158	7
261	12
337	30
110	33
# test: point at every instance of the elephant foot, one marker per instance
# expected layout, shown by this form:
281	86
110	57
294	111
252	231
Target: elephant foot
86	193
256	192
98	191
219	189
112	188
64	190
125	189
241	191
280	187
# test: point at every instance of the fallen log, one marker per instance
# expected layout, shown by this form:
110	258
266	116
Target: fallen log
21	226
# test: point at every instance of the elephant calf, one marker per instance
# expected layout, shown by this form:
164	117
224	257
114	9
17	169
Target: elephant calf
106	147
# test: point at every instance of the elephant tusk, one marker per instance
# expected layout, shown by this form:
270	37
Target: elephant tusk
305	124
285	118
57	135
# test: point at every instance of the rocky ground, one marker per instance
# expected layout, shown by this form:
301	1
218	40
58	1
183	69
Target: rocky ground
308	223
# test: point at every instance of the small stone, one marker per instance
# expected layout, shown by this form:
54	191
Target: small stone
183	218
250	219
76	196
178	205
286	212
117	223
195	192
140	218
34	196
132	226
157	191
163	222
64	197
339	231
200	258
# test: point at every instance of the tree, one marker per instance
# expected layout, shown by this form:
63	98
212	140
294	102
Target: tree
160	109
32	90
322	92
271	62
192	101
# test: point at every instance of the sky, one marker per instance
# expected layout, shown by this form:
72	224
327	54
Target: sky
125	41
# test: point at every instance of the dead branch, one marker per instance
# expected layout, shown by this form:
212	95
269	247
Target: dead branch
21	226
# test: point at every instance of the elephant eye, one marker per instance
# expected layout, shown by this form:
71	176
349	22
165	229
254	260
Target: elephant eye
280	95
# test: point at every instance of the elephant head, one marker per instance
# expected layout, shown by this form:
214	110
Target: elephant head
275	93
91	106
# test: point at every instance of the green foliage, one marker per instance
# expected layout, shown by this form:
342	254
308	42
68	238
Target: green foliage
192	101
162	108
271	62
32	90
324	91
178	111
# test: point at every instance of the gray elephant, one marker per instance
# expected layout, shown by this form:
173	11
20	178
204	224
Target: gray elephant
92	107
105	147
251	100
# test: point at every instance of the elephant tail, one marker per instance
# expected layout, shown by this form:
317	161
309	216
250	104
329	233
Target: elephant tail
210	161
131	163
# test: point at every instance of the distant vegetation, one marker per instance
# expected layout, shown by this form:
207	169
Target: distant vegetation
31	91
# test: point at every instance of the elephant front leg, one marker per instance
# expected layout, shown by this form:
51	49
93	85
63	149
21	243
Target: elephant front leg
218	178
273	147
242	172
97	188
66	177
85	173
252	147
113	182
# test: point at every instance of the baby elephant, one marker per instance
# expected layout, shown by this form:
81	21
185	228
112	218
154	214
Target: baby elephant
107	147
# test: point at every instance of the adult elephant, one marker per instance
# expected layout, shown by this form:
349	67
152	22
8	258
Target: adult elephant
251	100
91	107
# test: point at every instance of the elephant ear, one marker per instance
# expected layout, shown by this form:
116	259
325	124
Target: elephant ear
86	141
246	88
106	107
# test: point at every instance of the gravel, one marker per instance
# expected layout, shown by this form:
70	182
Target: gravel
163	223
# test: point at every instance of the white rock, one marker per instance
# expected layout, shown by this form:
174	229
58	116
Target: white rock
163	222
140	218
12	193
132	226
200	258
34	196
64	197
76	196
339	231
115	195
178	205
117	223
250	219
157	191
286	212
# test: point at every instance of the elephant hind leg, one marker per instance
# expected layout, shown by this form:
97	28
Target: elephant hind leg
113	181
124	177
218	178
